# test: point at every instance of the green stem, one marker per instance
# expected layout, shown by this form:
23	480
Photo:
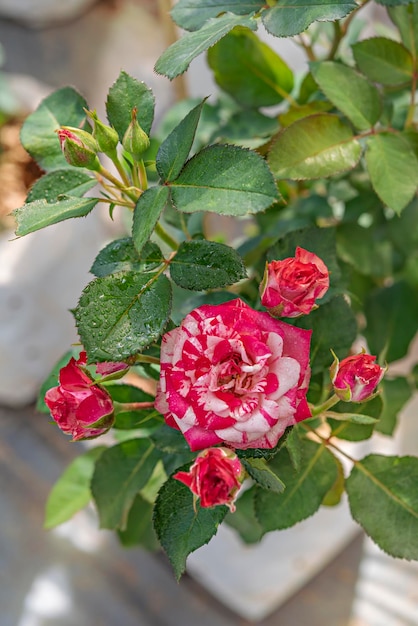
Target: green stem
132	406
106	174
119	202
327	442
411	109
120	169
317	410
336	41
142	173
166	237
145	358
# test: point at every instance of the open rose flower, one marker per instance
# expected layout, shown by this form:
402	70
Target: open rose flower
79	407
356	377
235	376
290	287
215	477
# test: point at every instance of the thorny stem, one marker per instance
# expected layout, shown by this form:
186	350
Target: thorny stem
327	442
106	174
118	201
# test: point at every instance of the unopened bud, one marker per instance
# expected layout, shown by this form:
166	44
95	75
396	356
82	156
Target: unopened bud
107	138
135	140
79	148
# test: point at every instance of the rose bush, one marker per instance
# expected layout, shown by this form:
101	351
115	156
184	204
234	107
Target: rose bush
215	477
233	375
79	407
356	377
291	287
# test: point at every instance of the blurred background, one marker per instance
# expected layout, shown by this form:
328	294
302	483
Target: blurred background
322	573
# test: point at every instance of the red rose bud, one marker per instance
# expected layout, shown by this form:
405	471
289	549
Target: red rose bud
356	377
290	287
135	140
215	477
79	148
80	407
107	138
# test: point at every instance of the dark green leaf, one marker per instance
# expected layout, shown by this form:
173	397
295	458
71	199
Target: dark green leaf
393	169
146	420
334	327
202	264
132	312
243	520
395	393
349	91
139	529
249	70
181	527
392	314
224	179
291	17
383	499
72	182
71	492
120	473
177	58
122	392
41	213
146	214
174	150
314	147
121	256
305	488
263	475
384	61
192	14
64	107
126	94
358	247
406	19
248	128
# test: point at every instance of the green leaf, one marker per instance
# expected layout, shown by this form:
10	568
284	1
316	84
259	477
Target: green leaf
383	499
64	107
360	421
71	492
334	495
384	61
74	183
192	14
132	313
126	94
392	314
292	17
248	128
174	150
120	473
121	256
224	179
139	529
295	113
358	247
334	327
122	392
314	147
406	19
181	527
41	213
202	264
393	169
264	476
177	58
305	488
146	214
349	91
249	70
243	520
395	393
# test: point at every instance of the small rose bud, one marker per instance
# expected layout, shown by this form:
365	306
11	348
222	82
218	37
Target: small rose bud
356	377
107	138
215	477
290	287
79	148
135	140
80	407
